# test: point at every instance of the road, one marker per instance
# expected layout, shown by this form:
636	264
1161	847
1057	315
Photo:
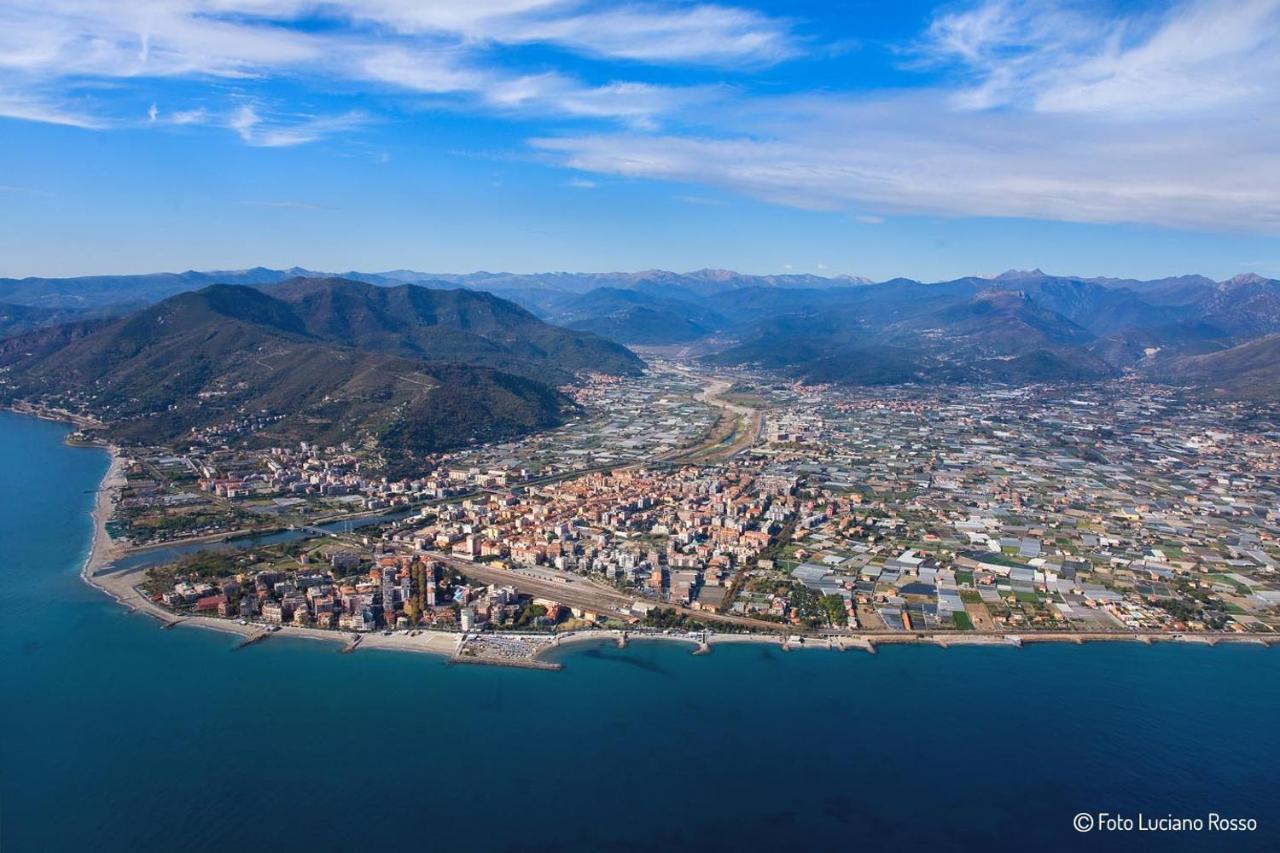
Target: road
578	591
573	590
736	429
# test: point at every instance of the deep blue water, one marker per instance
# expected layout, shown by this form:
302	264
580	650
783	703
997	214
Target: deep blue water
119	736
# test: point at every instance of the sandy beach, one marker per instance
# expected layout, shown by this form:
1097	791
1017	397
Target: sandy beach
103	550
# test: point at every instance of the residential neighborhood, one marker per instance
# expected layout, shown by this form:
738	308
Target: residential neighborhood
848	512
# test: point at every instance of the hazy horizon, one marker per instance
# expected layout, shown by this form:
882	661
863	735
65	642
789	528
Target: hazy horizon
927	140
390	271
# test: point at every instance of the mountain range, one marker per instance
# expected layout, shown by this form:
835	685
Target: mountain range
134	290
403	368
1020	326
1023	327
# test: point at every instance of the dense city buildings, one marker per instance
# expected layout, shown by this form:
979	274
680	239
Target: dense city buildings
747	504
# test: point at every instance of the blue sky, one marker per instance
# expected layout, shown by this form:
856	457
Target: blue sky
869	138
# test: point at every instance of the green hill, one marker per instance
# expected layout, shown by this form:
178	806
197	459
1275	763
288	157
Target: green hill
257	368
460	326
1248	371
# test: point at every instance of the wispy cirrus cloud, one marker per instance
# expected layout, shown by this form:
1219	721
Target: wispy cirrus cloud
199	115
965	165
1057	109
102	39
274	133
701	34
35	105
442	47
1057	57
654	32
1164	118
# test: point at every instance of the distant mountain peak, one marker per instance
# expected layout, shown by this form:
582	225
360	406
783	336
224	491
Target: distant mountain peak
1246	278
713	274
1020	275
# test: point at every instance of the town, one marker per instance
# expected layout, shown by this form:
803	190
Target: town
745	504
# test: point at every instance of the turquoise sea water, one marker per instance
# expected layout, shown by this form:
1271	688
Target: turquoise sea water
119	736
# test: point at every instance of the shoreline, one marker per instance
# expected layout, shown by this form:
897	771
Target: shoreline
56	415
102	549
120	586
870	643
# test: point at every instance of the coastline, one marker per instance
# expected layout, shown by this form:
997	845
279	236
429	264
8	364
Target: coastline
102	550
870	643
58	415
121	586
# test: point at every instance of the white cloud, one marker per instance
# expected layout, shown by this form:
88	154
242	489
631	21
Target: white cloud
702	34
438	71
195	116
916	154
1052	57
440	48
1168	119
637	104
1048	109
281	133
37	106
50	39
243	122
582	184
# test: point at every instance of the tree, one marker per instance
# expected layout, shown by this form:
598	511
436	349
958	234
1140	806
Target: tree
834	606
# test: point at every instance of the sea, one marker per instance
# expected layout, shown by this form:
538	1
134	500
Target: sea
119	736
